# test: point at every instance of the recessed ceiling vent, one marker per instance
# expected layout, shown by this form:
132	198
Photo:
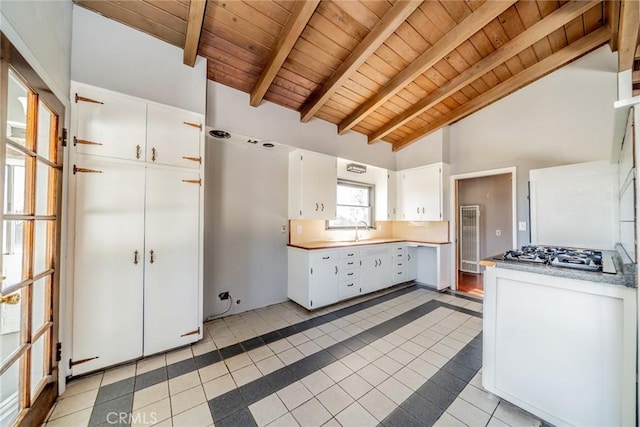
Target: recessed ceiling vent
356	168
222	134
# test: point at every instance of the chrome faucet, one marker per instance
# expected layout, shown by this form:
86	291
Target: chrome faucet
366	227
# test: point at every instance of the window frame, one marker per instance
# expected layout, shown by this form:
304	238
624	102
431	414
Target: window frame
372	205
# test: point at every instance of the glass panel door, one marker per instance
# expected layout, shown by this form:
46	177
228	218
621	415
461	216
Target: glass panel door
29	186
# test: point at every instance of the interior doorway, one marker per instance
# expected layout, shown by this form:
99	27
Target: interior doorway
491	196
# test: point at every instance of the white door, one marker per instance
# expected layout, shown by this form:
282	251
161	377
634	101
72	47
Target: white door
109	263
173	137
171	259
370	272
324	287
109	125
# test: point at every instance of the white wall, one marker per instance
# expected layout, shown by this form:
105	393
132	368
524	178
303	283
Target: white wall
41	31
228	109
431	149
563	118
108	54
245	251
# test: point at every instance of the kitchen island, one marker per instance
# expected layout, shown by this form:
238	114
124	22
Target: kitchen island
561	343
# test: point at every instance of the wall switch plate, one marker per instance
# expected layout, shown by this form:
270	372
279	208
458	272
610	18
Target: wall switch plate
498	232
522	226
299	229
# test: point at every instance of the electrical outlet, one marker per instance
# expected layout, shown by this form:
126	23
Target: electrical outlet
299	229
283	229
498	232
522	226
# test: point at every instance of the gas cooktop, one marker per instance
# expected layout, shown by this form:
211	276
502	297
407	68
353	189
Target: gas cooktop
578	259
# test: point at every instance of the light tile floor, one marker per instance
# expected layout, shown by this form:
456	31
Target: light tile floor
405	357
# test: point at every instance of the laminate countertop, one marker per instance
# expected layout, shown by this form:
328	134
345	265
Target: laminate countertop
320	244
625	270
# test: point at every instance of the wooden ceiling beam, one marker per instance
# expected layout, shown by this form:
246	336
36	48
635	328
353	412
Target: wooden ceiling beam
194	29
400	11
465	29
628	33
300	16
536	32
578	48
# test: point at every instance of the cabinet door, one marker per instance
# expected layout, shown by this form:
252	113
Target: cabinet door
392	210
172	259
319	174
431	193
108	275
112	126
369	273
412	266
173	137
412	198
324	288
385	268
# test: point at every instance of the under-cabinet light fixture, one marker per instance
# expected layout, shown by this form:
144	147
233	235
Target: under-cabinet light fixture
356	168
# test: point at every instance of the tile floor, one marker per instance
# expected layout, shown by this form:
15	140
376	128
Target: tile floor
407	357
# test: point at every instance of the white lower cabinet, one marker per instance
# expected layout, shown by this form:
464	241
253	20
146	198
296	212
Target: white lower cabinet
412	265
137	261
377	268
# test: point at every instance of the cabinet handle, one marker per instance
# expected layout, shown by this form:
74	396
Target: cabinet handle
376	262
423	209
135	257
399	272
349	285
349	254
325	257
350	263
408	257
317	207
394	211
322	210
154	154
152	256
349	274
418	210
380	262
399	255
137	151
336	269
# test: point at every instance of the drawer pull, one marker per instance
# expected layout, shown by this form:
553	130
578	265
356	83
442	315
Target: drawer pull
325	257
399	255
336	269
349	254
349	274
349	285
350	263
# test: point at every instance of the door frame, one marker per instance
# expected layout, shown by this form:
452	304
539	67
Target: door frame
454	205
12	57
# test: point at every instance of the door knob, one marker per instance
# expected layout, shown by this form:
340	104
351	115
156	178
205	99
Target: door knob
11	299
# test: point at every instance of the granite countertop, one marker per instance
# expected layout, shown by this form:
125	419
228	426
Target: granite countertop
625	270
321	244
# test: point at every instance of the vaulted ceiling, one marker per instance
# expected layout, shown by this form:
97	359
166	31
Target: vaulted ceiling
392	70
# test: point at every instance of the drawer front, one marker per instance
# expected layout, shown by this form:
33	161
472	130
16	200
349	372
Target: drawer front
349	263
349	288
399	257
350	254
399	276
350	274
399	265
323	256
399	249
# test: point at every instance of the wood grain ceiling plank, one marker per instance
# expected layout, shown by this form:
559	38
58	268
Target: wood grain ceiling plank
297	67
557	39
232	71
321	55
309	85
273	10
114	11
628	33
228	80
551	63
291	86
234	36
217	55
281	100
194	29
332	31
212	41
492	62
372	42
324	43
153	13
574	29
593	18
365	15
327	118
246	15
175	8
286	89
331	10
217	16
446	44
310	61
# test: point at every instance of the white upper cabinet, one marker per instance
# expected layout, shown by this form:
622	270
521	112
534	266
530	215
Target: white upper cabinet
173	136
109	124
392	206
312	185
422	193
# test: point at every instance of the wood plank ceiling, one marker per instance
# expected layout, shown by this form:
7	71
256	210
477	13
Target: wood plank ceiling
392	70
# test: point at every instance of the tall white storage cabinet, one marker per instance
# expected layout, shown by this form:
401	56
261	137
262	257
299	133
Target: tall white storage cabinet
137	286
